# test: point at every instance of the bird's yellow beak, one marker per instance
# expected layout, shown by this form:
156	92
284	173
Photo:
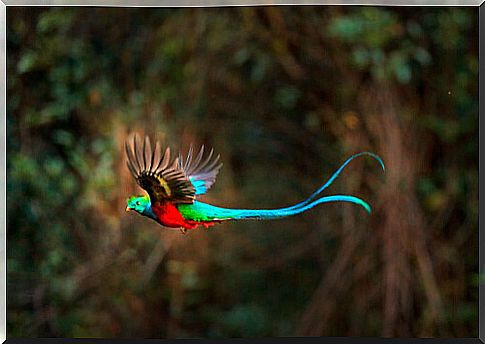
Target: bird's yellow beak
128	209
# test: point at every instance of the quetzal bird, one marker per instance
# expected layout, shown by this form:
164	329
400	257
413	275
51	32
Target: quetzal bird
173	186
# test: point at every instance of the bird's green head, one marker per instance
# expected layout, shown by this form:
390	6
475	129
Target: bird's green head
137	203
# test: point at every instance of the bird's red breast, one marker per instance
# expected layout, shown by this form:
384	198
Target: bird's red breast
169	216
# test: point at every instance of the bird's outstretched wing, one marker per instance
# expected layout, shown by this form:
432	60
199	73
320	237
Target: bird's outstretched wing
161	177
202	172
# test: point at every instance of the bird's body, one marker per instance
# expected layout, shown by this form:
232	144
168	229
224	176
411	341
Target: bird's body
173	186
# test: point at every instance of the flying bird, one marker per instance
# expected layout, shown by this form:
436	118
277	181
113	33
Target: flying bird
174	185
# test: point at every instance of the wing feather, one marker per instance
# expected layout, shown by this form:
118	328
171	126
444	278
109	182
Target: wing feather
202	172
162	178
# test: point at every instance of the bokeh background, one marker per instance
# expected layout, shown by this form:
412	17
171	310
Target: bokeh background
285	95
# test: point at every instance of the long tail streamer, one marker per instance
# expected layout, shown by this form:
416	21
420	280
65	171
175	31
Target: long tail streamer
332	179
217	213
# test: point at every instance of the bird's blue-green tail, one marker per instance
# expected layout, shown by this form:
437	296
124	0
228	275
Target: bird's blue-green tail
331	180
199	211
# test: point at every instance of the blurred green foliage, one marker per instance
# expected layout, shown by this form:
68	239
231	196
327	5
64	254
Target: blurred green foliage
284	94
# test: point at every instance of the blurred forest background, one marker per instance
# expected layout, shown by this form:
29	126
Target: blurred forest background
285	95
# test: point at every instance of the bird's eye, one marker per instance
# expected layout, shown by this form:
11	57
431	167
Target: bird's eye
137	202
